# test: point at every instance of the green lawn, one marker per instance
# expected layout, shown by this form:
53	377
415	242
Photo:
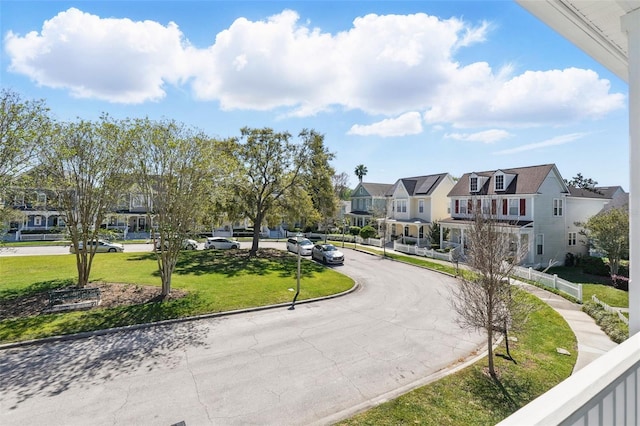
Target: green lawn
216	281
593	284
470	397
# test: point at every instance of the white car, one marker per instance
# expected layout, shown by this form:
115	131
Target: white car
187	244
327	254
303	247
102	246
221	243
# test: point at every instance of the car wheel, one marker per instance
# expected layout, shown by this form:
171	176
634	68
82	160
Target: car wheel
112	250
192	247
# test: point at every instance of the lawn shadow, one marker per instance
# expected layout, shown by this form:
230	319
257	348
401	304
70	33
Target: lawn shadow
54	368
233	263
35	288
503	395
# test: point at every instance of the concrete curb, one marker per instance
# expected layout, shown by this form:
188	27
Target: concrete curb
87	334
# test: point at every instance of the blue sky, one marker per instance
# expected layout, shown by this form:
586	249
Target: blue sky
406	88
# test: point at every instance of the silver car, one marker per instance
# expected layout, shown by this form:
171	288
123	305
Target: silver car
303	247
101	246
327	254
221	243
187	244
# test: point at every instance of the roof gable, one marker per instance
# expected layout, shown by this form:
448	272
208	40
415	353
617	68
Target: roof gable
526	180
419	185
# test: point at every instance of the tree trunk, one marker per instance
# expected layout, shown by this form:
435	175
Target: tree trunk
257	224
492	369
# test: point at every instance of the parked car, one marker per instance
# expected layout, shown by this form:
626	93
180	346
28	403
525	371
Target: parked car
187	244
303	247
327	254
221	243
102	246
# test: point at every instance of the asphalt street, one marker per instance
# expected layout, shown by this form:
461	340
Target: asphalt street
316	364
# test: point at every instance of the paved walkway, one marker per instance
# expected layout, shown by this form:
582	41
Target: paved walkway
592	341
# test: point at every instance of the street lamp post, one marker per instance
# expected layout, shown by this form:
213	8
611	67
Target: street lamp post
293	304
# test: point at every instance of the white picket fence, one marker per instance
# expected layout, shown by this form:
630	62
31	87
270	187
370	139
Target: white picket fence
572	289
610	309
421	251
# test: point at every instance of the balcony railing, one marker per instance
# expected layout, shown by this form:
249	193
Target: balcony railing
605	392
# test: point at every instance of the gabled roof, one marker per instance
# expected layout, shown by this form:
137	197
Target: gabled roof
375	189
419	185
527	180
600	192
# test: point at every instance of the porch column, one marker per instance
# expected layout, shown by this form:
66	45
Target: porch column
631	24
461	240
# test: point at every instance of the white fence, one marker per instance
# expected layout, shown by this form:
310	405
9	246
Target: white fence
572	289
610	309
421	251
42	237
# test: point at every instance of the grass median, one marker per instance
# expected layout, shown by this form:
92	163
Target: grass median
215	281
472	397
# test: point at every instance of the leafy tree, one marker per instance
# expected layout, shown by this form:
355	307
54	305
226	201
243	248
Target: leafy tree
368	232
175	174
270	169
581	182
318	177
341	186
434	233
81	166
24	126
486	301
608	231
360	171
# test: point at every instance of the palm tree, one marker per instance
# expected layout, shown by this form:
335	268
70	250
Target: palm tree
360	171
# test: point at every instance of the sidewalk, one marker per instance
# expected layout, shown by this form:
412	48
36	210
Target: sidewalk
592	341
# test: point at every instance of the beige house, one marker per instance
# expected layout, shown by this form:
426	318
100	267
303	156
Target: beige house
415	203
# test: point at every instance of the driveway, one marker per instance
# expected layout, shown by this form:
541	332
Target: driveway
313	365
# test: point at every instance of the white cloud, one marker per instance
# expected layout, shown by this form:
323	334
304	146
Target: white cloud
558	140
486	136
117	60
383	65
407	124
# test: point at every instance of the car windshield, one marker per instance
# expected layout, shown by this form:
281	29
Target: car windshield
305	242
329	247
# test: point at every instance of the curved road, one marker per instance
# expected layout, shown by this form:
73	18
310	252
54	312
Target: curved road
316	364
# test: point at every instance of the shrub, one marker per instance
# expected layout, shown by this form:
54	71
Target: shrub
368	232
620	282
354	230
609	322
594	266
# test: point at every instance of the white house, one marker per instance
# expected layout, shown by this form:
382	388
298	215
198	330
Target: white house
415	203
531	203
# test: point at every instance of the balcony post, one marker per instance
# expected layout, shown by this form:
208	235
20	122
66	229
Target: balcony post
631	25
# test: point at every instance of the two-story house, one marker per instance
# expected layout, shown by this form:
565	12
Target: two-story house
581	205
530	202
368	202
415	203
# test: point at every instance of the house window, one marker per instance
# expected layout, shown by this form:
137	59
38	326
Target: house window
37	221
486	206
463	206
573	237
514	207
494	207
473	184
499	183
401	206
540	244
557	207
42	198
421	206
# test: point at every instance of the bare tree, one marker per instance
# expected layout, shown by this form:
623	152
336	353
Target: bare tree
485	300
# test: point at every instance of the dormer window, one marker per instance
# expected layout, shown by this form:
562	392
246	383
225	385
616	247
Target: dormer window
473	184
499	183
